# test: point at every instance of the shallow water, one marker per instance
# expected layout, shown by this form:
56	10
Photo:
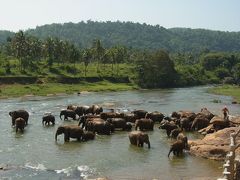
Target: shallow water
36	155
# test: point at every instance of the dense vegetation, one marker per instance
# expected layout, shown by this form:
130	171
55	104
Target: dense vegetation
26	55
138	36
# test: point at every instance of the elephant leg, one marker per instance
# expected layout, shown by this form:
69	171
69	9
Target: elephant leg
168	133
66	138
137	142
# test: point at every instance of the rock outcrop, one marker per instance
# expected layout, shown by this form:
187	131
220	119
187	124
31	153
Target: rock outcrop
214	146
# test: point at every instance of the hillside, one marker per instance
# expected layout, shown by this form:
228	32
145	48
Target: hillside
140	36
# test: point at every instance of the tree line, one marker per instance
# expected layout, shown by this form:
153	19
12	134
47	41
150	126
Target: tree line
150	68
137	36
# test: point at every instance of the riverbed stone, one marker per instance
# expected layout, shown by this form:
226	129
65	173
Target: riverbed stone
214	146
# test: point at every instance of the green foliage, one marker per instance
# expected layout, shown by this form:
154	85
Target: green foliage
228	90
222	72
191	75
211	61
56	88
156	70
141	36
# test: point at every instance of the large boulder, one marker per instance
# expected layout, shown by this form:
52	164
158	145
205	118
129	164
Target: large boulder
214	146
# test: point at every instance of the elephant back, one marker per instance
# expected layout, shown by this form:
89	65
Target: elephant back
144	123
155	116
117	122
140	113
20	122
106	115
75	131
19	114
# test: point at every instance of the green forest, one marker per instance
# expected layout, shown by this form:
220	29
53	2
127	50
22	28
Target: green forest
149	56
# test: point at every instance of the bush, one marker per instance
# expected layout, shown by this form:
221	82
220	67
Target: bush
228	80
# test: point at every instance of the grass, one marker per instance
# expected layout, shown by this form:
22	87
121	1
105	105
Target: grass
228	90
41	68
17	90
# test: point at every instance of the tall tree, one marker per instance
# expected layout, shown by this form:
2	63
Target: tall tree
156	70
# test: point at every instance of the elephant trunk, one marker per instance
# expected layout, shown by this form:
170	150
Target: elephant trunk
56	136
169	152
61	115
149	145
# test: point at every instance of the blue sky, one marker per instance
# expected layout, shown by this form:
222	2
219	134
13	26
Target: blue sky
221	15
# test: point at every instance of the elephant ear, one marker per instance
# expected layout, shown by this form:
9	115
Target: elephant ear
10	113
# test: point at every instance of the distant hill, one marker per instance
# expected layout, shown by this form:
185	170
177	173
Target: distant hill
4	35
140	36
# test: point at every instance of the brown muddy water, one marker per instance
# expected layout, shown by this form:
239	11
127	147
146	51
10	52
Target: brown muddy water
36	155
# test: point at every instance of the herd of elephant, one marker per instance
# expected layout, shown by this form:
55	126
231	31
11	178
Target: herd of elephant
92	119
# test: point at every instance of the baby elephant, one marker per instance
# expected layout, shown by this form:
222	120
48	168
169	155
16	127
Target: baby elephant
47	118
138	138
178	146
20	124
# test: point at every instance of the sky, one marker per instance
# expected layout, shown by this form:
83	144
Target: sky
223	15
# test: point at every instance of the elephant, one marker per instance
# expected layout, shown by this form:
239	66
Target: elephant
138	138
144	124
140	113
155	116
176	115
185	123
95	109
183	138
82	110
128	126
200	122
219	123
68	113
106	115
206	113
69	131
129	117
188	114
100	127
20	124
47	118
88	136
79	110
178	146
169	126
117	123
19	113
175	132
85	118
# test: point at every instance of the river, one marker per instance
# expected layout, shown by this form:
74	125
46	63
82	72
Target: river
36	155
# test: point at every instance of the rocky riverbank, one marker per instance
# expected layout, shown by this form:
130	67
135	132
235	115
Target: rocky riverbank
216	145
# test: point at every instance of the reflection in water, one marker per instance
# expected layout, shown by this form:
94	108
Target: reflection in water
35	154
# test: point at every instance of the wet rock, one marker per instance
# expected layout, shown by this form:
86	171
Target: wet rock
214	146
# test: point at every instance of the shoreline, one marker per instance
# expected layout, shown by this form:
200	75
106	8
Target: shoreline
227	90
49	89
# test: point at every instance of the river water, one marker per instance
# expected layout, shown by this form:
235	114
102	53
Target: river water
36	155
